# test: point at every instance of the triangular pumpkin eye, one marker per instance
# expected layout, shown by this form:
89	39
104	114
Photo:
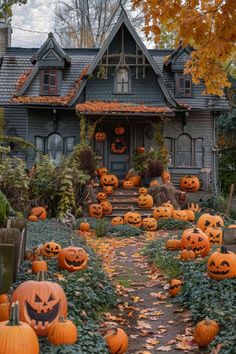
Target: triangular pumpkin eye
212	263
37	298
51	298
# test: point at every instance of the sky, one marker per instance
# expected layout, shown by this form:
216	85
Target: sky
36	15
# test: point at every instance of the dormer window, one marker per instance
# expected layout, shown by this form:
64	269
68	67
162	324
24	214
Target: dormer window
49	82
183	85
122	82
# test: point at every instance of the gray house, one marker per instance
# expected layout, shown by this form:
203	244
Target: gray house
122	84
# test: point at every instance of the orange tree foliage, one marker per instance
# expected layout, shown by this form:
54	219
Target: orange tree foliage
207	25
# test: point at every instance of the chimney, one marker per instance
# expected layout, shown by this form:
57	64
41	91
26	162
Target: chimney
5	37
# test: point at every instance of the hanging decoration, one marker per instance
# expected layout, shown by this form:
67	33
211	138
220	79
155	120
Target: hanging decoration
100	137
119	130
119	146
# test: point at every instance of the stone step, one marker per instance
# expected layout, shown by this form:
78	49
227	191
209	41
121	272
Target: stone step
144	214
123	202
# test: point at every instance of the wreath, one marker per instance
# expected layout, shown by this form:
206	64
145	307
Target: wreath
119	146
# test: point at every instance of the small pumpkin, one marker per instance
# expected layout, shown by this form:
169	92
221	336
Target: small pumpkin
208	220
108	189
95	210
215	235
31	254
117	220
84	226
17	337
196	240
100	137
133	219
116	340
142	191
33	218
72	259
175	287
190	215
154	183
187	254
4	311
189	183
128	184
150	224
106	208
51	249
39	265
168	205
205	332
63	332
102	171
140	149
180	215
136	180
101	196
162	213
119	130
145	201
40	212
165	176
173	244
222	264
109	180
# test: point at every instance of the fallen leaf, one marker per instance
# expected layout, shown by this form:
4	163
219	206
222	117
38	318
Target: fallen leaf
165	349
143	325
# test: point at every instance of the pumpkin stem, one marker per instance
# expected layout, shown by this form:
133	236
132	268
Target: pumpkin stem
195	230
41	276
223	250
71	243
14	315
62	319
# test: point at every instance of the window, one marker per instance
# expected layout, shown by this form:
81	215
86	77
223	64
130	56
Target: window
122	84
184	150
49	82
39	143
169	145
183	85
69	144
55	148
187	151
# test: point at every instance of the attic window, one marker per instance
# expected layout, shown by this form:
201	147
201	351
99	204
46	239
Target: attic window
183	85
49	83
122	82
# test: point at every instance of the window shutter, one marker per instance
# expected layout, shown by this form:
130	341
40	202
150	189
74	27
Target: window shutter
184	150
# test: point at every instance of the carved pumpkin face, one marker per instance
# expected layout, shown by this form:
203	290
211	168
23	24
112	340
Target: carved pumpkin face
194	207
222	264
41	303
173	244
180	215
165	176
95	210
119	130
145	201
116	340
117	220
102	197
150	224
40	212
215	235
128	184
190	215
162	213
168	205
140	149
108	189
175	287
136	180
197	241
100	137
142	191
154	183
102	171
133	219
72	259
186	255
109	180
51	249
106	208
208	220
189	183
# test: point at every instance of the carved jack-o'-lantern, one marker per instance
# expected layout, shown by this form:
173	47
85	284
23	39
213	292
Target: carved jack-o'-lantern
133	219
41	303
165	176
100	137
109	180
117	220
102	197
40	212
208	220
145	201
72	259
150	224
102	171
51	249
119	130
116	340
140	149
142	191
136	180
173	244
189	183
190	214
175	287
95	210
222	264
106	208
168	205
128	184
197	241
215	235
180	215
107	189
162	213
154	183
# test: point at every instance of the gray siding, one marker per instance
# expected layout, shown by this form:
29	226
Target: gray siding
16	118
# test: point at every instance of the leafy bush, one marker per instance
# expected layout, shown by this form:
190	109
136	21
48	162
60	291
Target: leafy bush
124	231
101	227
171	224
5	209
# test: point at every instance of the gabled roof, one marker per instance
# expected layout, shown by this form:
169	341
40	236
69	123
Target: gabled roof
123	19
50	45
177	53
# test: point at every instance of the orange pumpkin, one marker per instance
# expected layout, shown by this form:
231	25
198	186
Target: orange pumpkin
165	176
162	213
140	149
205	332
194	207
154	183
208	220
102	171
116	340
109	180
145	201
4	311
117	220
107	189
175	287
51	249
119	130
62	332
102	197
142	191
197	241
190	214
128	184
150	224
84	226
189	183
136	180
173	244
180	215
40	212
95	210
133	219
215	235
4	298
41	303
187	254
168	205
33	218
100	137
72	259
106	208
222	264
39	265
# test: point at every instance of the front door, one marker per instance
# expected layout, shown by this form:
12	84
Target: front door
119	150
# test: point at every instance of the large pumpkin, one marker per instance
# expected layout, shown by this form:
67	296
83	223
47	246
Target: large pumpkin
162	213
208	220
205	332
51	249
222	264
142	191
62	332
109	180
17	337
145	201
136	180
189	183
102	171
180	215
72	259
40	212
41	303
95	210
128	184
150	224
106	208
117	220
133	219
197	241
100	137
215	235
116	340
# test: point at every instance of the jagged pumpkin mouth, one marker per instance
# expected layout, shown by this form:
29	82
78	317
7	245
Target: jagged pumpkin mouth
134	222
175	286
51	252
74	263
217	272
43	317
198	249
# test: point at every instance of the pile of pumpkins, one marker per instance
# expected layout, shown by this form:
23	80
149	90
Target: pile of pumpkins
37	213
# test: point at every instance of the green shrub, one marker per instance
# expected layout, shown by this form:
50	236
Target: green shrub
124	231
101	227
171	224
